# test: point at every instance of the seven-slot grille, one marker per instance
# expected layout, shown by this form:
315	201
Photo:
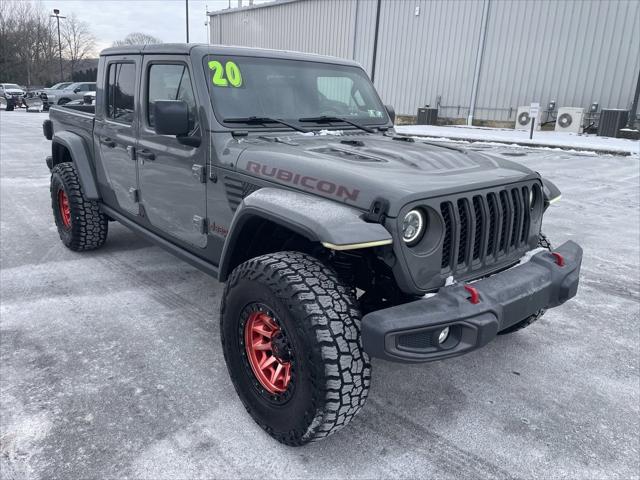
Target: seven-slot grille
484	227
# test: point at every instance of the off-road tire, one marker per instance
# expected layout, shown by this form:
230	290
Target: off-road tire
88	225
330	371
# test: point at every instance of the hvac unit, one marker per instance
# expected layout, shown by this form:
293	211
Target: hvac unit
611	121
523	120
570	119
427	116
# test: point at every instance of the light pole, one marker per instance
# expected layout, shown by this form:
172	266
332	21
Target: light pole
206	23
56	13
186	3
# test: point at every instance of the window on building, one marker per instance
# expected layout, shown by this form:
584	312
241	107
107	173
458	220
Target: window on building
121	82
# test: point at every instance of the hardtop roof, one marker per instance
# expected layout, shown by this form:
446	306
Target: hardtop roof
204	49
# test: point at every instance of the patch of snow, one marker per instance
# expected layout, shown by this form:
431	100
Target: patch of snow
336	133
541	139
527	256
449	281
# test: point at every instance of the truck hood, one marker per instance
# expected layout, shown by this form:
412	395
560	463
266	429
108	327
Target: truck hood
357	169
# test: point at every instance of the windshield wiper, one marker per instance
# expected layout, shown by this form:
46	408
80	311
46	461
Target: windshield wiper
262	121
330	119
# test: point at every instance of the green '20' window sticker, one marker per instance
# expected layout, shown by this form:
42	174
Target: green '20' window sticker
227	75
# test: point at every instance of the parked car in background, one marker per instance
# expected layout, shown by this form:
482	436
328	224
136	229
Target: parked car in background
89	98
75	91
50	94
32	100
11	95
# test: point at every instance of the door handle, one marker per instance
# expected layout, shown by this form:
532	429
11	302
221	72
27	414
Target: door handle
107	142
146	154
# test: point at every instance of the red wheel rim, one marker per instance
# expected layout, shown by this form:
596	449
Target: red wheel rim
65	210
270	368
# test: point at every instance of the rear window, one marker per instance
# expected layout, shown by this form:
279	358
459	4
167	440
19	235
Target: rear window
121	81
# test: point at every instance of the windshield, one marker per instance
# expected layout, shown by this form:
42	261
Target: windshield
12	86
244	87
60	86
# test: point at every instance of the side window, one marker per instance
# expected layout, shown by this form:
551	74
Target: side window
170	82
121	81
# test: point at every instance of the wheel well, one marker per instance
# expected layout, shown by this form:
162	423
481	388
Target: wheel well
259	236
363	268
59	154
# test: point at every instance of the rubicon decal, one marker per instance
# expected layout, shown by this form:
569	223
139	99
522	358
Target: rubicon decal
304	181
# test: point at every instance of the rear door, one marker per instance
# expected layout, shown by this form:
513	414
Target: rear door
116	129
172	174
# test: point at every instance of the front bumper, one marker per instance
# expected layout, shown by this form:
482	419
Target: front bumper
409	332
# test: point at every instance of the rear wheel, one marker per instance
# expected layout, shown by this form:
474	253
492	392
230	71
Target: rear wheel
291	339
81	224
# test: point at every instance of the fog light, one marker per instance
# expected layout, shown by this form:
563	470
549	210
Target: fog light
444	334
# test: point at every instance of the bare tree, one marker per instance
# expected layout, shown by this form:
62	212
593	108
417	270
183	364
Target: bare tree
137	38
29	43
78	41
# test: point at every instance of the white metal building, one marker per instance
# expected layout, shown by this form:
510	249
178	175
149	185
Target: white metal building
482	58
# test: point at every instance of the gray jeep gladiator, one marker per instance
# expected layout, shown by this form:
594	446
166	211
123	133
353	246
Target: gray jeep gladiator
280	174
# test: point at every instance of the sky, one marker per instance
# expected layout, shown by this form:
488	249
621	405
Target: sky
111	20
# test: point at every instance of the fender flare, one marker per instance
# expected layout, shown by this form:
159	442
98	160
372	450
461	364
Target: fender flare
551	192
81	157
335	225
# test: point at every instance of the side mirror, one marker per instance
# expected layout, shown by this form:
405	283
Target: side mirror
392	113
76	90
171	117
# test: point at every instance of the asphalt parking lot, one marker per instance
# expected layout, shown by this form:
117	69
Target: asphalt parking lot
111	365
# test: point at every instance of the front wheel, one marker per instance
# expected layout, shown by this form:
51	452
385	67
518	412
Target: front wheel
291	338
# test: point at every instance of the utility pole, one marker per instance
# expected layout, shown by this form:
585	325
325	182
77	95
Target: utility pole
56	13
186	3
206	24
634	108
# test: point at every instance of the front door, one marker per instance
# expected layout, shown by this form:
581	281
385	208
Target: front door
115	132
172	172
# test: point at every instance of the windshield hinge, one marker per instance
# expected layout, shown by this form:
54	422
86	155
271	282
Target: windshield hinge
377	211
200	224
199	172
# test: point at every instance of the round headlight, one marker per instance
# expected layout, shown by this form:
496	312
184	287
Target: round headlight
412	226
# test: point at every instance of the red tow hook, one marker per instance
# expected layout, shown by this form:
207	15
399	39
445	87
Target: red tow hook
475	296
559	259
